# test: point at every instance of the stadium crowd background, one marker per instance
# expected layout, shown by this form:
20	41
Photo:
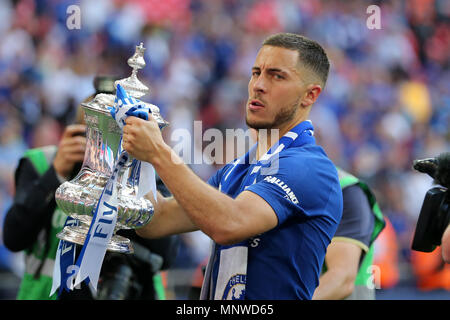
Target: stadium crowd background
386	103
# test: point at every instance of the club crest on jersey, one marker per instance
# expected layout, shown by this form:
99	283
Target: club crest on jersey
235	288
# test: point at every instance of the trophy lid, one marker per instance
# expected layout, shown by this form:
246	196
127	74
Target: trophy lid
132	85
102	102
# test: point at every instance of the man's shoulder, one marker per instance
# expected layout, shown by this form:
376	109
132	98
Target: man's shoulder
225	168
312	157
305	152
217	176
302	169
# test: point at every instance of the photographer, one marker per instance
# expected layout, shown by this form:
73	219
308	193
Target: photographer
33	220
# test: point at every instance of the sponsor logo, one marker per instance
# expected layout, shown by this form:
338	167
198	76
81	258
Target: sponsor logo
289	193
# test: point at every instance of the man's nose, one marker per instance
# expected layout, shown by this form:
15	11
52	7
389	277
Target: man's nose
260	84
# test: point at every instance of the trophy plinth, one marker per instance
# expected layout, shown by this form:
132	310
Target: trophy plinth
78	197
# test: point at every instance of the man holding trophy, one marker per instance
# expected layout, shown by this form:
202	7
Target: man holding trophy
286	196
270	213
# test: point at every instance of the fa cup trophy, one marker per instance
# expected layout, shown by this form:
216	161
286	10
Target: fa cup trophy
78	197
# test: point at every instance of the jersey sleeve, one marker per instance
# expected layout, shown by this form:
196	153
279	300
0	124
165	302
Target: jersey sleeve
357	218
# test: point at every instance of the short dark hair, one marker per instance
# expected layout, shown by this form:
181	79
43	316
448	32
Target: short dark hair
311	54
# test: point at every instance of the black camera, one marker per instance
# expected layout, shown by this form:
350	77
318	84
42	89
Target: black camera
104	84
434	216
129	276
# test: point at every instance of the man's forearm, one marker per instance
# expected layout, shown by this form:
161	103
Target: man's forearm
224	219
333	286
168	219
209	209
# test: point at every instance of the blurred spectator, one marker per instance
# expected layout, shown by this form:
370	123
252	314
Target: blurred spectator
431	270
386	258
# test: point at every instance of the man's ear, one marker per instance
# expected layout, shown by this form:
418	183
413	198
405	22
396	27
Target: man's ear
312	93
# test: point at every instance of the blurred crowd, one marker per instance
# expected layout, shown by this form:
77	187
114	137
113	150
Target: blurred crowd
386	103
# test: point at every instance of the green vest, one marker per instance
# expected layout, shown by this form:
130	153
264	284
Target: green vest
365	272
40	258
363	278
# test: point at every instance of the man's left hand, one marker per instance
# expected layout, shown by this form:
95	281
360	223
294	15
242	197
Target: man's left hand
142	139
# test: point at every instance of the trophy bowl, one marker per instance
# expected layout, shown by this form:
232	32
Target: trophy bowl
78	197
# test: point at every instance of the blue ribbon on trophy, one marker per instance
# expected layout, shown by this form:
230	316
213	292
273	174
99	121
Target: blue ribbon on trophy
89	262
91	257
125	106
65	256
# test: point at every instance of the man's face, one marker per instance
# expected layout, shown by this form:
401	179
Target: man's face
275	89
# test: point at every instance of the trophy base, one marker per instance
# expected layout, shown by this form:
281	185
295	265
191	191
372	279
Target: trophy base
78	235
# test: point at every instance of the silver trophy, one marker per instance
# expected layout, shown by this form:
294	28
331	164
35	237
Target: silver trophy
79	196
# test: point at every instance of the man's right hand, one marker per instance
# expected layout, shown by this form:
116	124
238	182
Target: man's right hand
70	150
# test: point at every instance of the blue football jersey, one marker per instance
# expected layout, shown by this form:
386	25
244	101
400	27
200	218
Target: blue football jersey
303	190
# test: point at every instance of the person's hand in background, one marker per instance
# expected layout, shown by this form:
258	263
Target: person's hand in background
70	150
